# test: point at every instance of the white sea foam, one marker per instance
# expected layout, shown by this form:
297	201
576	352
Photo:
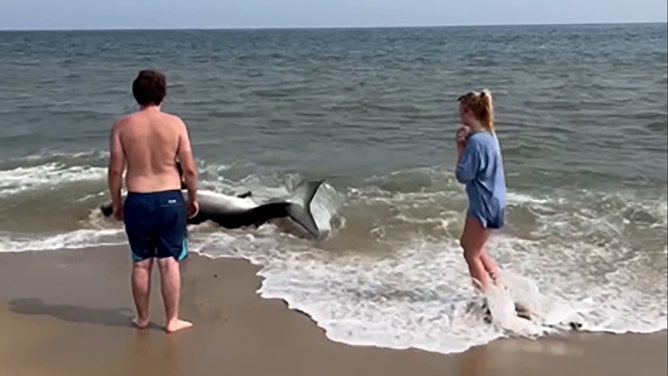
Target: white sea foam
419	297
68	240
51	175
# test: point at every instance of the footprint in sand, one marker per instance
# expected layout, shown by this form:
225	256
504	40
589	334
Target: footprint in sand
208	311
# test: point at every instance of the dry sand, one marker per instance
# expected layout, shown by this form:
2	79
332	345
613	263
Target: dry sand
68	313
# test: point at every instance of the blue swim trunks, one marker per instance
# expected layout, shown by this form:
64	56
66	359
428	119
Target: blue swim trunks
481	170
155	224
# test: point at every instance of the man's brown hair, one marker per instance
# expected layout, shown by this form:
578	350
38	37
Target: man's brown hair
149	88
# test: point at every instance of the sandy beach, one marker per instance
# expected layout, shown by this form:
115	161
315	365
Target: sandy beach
68	312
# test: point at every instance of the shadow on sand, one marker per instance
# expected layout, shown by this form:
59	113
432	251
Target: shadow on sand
121	317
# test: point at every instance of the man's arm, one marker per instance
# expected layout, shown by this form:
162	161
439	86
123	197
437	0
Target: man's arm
116	166
187	163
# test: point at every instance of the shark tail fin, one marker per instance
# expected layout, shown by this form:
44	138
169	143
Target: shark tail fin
299	208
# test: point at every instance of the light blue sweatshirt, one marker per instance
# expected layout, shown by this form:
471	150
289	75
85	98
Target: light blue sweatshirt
481	169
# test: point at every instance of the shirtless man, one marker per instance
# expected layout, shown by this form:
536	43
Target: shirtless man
154	212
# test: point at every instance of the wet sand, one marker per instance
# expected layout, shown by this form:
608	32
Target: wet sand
68	313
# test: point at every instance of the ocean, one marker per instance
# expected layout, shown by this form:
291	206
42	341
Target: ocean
581	117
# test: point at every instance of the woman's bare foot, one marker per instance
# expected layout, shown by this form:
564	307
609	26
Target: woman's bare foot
178	325
140	324
498	282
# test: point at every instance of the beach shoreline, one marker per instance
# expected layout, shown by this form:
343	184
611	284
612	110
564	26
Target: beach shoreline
68	312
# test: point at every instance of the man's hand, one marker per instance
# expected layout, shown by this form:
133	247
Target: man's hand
193	209
118	211
187	162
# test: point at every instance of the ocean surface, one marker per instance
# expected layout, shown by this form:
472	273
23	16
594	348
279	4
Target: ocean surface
581	116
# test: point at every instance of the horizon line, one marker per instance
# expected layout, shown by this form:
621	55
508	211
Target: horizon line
219	28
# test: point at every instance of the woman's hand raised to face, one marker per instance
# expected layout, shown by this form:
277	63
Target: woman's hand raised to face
462	136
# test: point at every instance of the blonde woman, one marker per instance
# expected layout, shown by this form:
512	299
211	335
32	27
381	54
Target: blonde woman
480	169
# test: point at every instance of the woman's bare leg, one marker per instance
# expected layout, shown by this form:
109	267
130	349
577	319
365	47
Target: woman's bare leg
490	265
473	242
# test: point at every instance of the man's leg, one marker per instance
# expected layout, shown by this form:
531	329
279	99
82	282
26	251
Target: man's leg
139	230
172	249
141	289
170	279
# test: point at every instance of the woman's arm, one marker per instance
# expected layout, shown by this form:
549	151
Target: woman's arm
468	161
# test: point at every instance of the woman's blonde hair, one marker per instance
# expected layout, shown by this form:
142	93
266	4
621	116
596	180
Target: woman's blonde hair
481	105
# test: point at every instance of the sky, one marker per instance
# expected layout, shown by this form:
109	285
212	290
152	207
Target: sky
204	14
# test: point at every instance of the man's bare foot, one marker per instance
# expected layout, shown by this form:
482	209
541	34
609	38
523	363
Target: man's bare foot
140	324
177	325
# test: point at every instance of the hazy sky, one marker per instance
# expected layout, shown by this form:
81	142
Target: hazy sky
105	14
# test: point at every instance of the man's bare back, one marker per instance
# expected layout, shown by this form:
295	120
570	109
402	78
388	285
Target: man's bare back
151	141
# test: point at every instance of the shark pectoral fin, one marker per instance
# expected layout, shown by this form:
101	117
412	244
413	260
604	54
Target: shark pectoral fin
197	219
106	209
245	194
